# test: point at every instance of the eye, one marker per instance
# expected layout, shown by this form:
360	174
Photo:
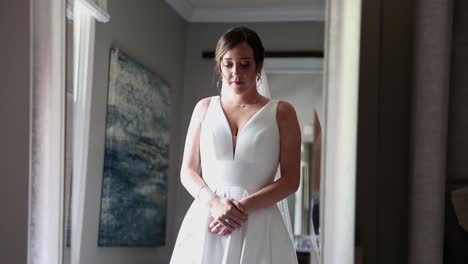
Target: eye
245	64
226	65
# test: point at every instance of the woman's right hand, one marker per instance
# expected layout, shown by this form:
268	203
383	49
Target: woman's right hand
227	212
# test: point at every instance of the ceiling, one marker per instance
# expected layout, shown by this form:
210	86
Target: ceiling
249	10
249	3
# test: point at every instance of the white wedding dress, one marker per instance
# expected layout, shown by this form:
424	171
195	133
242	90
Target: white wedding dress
264	237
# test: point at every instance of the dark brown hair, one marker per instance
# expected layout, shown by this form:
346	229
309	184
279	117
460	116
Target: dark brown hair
235	36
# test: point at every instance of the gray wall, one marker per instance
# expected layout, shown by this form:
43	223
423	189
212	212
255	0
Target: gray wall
199	79
14	129
153	34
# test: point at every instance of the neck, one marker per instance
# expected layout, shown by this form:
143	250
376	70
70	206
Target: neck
246	97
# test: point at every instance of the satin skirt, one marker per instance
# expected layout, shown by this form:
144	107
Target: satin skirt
262	239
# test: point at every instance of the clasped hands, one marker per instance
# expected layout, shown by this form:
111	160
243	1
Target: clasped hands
226	215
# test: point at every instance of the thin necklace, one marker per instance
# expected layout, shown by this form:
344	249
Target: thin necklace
249	103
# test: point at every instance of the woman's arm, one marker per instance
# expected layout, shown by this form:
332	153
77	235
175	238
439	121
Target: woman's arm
290	159
190	168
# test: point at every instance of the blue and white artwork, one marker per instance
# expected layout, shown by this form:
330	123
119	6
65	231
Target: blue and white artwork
136	162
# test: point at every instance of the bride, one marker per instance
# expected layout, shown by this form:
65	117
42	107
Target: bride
235	145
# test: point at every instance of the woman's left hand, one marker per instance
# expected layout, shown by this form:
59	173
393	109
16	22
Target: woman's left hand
218	228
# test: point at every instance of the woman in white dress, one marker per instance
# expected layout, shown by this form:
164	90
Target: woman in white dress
234	146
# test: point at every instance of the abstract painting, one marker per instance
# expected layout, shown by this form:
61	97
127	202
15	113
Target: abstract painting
136	158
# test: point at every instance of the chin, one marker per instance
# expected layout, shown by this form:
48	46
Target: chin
236	88
239	90
240	87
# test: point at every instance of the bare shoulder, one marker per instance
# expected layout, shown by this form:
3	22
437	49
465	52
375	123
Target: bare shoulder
286	118
285	111
288	125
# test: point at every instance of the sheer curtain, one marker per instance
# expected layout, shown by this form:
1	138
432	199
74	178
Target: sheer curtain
84	13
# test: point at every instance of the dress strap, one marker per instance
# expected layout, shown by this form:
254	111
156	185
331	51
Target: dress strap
275	103
209	109
214	97
213	100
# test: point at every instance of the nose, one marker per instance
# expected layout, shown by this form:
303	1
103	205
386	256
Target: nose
235	70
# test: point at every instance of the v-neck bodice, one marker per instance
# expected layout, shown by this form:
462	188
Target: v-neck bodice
256	157
239	131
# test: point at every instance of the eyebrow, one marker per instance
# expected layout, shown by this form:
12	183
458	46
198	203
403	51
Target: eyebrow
243	58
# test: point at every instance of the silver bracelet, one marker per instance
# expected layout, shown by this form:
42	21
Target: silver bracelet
199	190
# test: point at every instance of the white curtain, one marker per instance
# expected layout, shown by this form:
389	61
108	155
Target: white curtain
47	132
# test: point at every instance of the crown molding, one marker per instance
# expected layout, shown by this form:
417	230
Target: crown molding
97	9
261	14
271	14
183	7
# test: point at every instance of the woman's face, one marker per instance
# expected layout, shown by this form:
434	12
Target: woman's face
238	68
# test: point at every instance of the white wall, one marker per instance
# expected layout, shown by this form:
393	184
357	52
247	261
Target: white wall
199	77
303	91
14	129
154	35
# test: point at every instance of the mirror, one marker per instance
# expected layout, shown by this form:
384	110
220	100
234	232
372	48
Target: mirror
305	94
176	59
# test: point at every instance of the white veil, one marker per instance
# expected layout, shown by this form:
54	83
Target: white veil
264	90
